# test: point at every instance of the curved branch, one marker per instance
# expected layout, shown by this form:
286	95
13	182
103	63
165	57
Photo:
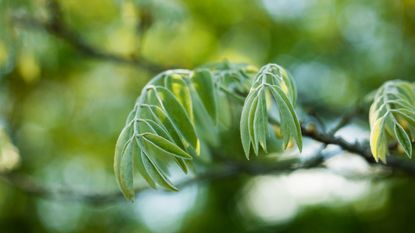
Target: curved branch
56	27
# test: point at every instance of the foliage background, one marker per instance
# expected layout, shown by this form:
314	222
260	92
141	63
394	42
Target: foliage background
64	110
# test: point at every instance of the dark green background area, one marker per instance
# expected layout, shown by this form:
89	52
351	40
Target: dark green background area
64	110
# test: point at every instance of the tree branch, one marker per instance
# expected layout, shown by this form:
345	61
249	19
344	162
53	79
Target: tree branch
393	162
56	27
226	170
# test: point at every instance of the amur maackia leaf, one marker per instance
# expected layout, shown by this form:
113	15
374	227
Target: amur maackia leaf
392	116
165	125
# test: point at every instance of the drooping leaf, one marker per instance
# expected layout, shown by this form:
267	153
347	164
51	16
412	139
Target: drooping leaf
124	162
179	88
244	124
288	117
254	117
164	146
403	139
261	121
156	173
378	142
143	169
202	81
251	125
175	111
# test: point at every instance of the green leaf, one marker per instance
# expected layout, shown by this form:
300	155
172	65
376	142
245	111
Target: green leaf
292	91
403	139
155	128
144	171
289	121
378	142
165	122
244	126
251	125
157	174
202	81
176	104
124	162
182	164
180	90
261	121
254	117
164	146
393	108
131	117
175	111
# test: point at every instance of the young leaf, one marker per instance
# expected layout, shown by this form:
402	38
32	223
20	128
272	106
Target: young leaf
175	111
162	125
244	125
261	121
179	88
288	117
403	139
378	142
164	146
124	162
251	125
202	81
144	170
393	104
254	117
157	174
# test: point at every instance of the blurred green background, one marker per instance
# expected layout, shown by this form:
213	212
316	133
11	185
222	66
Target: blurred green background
63	110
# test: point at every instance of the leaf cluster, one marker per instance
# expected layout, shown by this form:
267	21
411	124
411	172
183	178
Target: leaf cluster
178	109
392	116
272	85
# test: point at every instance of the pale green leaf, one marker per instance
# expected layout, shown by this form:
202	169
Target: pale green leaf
378	142
393	108
244	126
288	117
261	121
164	146
179	88
403	139
157	174
175	111
251	125
202	81
124	162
